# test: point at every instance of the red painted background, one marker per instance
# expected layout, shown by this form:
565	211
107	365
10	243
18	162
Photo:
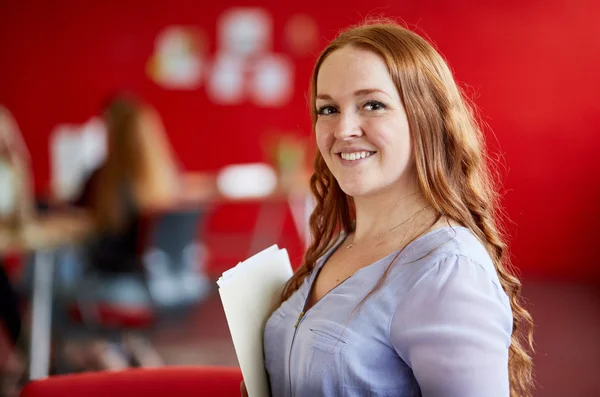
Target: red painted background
530	65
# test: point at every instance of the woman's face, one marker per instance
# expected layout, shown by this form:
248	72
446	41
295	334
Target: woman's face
362	130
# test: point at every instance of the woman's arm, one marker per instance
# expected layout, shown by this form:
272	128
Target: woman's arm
453	329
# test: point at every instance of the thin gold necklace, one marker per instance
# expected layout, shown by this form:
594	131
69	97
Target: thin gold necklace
353	244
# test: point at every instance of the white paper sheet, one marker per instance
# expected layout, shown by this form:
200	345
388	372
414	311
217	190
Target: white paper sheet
248	293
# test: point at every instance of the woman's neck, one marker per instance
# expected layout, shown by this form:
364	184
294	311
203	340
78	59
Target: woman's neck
385	212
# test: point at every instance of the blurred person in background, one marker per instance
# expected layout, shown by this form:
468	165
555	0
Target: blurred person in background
16	206
15	162
139	176
405	289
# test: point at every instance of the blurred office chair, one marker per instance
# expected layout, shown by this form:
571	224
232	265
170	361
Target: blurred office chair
170	281
174	262
171	277
167	381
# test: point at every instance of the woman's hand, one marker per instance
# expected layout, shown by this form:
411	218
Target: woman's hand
243	390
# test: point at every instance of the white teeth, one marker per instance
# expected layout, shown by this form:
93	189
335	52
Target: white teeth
355	156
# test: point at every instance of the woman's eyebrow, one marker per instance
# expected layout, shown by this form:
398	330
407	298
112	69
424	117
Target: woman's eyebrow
361	92
324	97
367	91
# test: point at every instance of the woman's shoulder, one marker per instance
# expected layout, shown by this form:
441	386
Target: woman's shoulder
439	248
449	241
452	265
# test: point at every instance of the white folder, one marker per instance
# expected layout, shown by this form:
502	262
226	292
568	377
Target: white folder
249	293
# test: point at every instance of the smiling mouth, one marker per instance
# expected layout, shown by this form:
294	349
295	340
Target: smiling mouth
356	155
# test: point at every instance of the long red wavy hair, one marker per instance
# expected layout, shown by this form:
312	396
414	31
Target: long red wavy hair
451	163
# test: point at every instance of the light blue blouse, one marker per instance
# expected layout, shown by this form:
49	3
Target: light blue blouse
439	326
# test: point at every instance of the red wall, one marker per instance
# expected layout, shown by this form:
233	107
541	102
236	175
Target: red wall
531	65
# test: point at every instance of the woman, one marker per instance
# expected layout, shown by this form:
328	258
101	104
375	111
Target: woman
17	197
405	290
16	207
140	176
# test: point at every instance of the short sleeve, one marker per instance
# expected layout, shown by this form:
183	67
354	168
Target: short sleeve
453	328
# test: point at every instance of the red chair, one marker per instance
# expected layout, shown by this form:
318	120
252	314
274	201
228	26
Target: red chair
194	381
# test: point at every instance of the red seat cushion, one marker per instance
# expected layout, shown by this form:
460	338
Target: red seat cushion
167	381
114	316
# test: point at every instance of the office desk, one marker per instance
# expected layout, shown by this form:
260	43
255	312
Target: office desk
41	235
293	195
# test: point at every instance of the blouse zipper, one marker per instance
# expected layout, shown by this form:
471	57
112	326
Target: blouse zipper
301	317
303	313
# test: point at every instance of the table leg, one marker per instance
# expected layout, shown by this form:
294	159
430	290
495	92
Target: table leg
41	314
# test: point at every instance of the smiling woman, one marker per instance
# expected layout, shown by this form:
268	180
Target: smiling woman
360	116
405	289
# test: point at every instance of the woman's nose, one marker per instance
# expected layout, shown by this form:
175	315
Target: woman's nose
347	127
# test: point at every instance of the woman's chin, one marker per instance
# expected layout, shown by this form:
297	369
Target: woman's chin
355	189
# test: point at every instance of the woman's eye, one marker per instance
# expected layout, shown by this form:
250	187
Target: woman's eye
325	110
374	106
